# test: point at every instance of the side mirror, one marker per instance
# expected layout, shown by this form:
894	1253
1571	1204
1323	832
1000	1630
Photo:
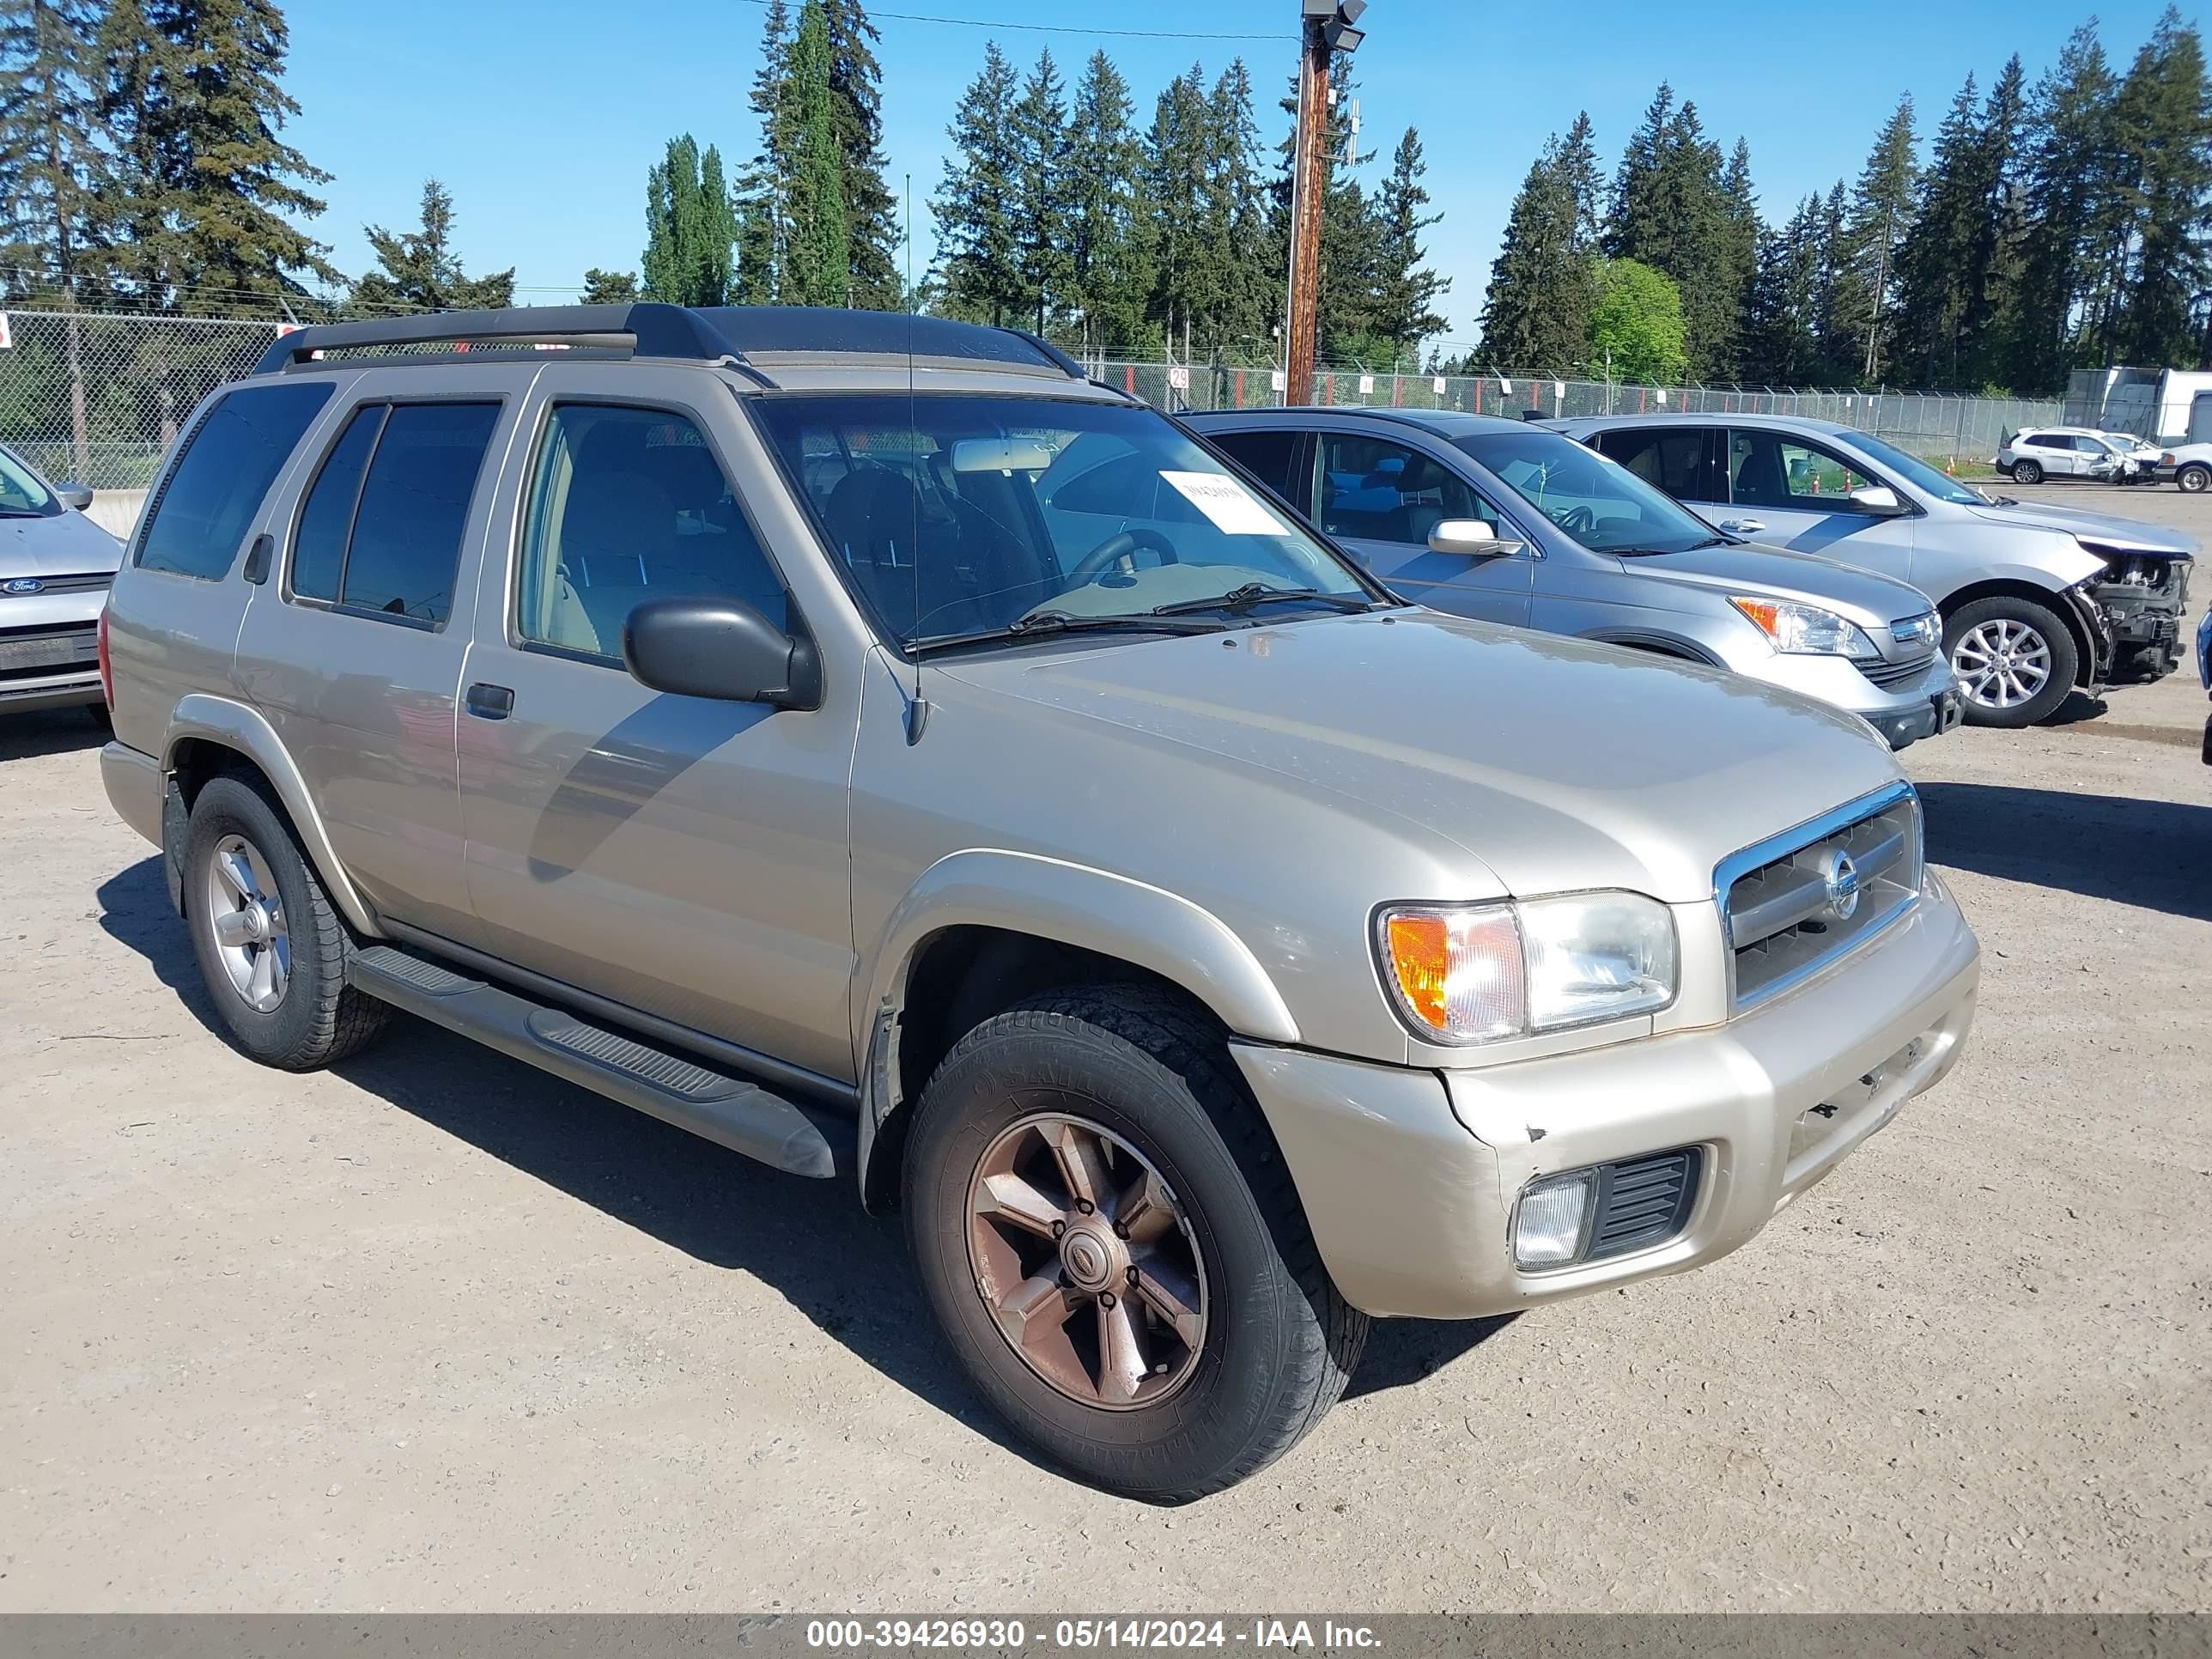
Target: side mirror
75	495
719	648
1879	500
1471	537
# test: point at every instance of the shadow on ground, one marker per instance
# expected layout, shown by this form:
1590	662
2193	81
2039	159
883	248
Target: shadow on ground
49	732
2154	854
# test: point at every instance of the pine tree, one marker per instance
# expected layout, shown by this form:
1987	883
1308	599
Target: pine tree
871	212
1407	291
201	206
1672	212
1739	262
1247	281
609	287
419	271
1038	125
2164	121
1108	227
1875	229
1537	313
762	229
1184	287
2069	154
820	264
1782	336
974	205
1933	276
52	161
1836	358
690	226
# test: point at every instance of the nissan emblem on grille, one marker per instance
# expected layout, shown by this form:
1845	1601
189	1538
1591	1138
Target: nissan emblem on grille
1842	879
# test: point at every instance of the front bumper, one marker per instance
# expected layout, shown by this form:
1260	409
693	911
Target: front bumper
2144	621
1925	705
1409	1177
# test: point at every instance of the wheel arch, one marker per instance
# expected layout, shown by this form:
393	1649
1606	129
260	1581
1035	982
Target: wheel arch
1655	645
2092	646
982	928
209	736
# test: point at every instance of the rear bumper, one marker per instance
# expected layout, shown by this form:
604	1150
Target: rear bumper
134	785
1409	1178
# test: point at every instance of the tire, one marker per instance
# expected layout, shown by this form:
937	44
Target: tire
300	1013
1997	647
2027	472
2194	479
1279	1343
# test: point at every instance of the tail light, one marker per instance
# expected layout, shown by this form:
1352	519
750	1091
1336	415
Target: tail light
106	669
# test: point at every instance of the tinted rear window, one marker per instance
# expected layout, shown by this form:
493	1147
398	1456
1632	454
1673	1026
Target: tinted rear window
319	551
200	517
406	542
1267	456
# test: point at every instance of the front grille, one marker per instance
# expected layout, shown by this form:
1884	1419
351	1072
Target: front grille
35	652
1782	901
58	585
1887	674
1643	1202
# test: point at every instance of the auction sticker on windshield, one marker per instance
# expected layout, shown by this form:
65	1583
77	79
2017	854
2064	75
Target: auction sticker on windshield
1234	509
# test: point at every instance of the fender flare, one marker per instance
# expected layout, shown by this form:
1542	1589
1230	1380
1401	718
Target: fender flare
232	725
1067	903
1654	644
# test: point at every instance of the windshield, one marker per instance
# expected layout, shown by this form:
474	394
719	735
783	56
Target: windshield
961	515
1914	471
1602	504
20	492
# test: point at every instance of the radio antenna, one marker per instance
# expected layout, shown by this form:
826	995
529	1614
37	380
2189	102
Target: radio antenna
917	708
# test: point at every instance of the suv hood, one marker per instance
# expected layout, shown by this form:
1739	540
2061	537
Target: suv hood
1870	601
2102	530
1555	764
66	545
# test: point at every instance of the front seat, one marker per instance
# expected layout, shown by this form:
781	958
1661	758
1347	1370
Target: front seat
1759	481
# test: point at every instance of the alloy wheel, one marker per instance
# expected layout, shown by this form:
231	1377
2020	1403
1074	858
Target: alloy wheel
2002	663
1087	1262
245	909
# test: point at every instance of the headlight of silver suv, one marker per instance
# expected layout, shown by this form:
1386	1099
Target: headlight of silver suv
1480	973
1806	630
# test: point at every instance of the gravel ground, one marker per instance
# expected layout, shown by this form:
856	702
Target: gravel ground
433	1332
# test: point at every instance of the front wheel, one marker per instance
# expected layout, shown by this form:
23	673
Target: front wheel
2027	472
1114	1250
2014	659
2194	479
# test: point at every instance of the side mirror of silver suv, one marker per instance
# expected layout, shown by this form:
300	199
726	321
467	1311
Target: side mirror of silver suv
1879	500
721	648
1471	537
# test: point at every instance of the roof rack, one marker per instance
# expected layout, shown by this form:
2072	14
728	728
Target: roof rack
744	337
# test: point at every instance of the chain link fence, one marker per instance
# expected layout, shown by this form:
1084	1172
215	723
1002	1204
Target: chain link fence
1938	427
96	397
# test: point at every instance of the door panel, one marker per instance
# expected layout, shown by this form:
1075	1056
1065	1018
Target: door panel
1798	490
683	856
1380	499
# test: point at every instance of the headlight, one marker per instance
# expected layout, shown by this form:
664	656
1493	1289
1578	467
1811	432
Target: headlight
1480	973
1806	630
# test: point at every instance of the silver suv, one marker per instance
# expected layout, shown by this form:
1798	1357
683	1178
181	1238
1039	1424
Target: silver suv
2036	599
864	742
55	567
1504	521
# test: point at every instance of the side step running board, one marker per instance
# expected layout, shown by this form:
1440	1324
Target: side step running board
727	1110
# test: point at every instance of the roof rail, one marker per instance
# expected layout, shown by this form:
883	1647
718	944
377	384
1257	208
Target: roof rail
644	330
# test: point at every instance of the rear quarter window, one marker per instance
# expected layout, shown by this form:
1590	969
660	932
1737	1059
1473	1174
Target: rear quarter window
195	524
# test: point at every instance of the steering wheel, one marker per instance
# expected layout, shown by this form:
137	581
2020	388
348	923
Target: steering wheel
1576	520
1120	545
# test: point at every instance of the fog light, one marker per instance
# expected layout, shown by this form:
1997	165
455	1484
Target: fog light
1548	1229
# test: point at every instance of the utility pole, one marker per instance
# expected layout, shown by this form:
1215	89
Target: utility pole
1327	25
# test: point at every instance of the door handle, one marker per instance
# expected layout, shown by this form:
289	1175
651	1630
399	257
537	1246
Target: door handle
1742	526
490	702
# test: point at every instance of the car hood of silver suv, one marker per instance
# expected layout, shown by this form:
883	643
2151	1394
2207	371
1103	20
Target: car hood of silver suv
56	544
1870	601
2100	530
1553	764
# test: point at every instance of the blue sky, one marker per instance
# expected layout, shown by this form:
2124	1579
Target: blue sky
543	119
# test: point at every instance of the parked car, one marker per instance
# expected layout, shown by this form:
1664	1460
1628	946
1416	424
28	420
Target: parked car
2204	673
2153	461
745	714
2190	466
55	567
2029	457
1509	522
2036	599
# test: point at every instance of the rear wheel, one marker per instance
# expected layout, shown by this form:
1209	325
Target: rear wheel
2014	659
270	946
2194	478
2027	472
1108	1238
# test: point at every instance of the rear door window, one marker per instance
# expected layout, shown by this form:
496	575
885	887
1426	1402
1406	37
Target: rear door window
1268	456
1673	458
381	529
198	519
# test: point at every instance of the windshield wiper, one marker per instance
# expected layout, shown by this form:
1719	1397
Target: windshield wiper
1251	593
1040	623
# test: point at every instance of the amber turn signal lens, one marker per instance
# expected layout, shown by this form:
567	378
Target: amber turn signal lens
1419	953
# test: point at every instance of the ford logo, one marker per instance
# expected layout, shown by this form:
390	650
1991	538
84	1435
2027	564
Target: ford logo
1843	879
22	584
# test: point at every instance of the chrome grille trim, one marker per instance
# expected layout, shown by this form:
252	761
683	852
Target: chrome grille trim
1887	674
82	584
1772	894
